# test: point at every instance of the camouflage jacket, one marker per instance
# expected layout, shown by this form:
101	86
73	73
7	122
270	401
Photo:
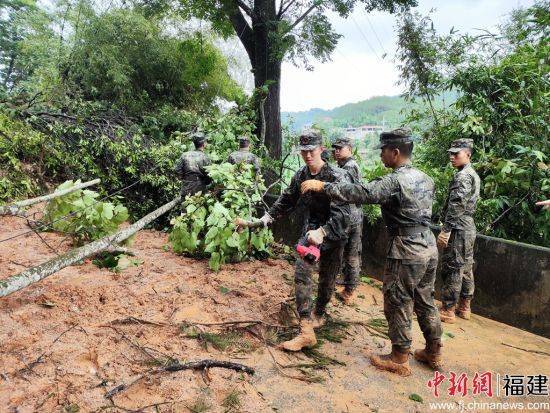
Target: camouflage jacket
318	209
352	168
458	212
191	166
244	156
406	198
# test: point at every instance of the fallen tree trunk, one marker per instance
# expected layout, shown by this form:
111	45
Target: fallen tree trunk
32	275
15	208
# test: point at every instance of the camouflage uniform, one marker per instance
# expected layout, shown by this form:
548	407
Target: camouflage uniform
458	257
318	211
243	155
352	250
190	168
406	197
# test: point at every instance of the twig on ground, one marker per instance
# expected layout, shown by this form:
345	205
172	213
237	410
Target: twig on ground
29	368
136	320
177	366
234	322
527	350
279	367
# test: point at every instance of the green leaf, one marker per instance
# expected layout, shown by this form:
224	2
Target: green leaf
416	398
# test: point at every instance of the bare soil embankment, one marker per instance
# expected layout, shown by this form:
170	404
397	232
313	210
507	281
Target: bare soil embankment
68	340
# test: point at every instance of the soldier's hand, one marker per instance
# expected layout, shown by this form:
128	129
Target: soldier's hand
443	239
316	236
266	219
241	224
312	185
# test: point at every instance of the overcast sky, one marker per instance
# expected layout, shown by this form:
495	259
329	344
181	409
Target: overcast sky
358	71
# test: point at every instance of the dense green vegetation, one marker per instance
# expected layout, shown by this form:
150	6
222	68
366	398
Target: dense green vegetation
114	94
503	93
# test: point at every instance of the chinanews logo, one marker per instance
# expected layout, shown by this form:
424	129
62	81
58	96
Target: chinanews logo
490	385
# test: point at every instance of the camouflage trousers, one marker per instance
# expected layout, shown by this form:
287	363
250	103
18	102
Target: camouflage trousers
328	267
352	256
409	286
457	264
191	187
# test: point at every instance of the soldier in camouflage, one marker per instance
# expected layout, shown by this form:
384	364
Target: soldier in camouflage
243	155
458	234
325	224
190	168
406	197
343	153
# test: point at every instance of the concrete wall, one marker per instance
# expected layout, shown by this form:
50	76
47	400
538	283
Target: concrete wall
512	279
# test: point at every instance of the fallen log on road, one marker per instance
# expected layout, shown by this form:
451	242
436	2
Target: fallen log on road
15	208
34	274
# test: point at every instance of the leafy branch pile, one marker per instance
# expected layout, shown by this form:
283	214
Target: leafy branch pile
83	216
206	229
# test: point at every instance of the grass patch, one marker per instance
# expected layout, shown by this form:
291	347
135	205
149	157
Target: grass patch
372	282
321	360
232	401
230	340
380	325
333	330
200	405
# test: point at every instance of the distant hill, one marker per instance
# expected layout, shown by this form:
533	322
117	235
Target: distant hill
379	110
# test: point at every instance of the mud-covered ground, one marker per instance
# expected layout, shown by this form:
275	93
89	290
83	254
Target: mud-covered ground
68	340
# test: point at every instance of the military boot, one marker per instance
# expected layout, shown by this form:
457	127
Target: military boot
346	296
463	310
306	338
447	315
431	355
396	362
318	320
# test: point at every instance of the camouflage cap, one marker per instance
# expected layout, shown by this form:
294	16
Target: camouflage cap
396	136
198	137
244	138
310	139
460	144
340	142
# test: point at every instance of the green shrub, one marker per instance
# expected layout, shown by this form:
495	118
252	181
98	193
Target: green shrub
88	218
206	229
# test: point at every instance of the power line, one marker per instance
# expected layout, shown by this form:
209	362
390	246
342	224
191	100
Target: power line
365	37
375	34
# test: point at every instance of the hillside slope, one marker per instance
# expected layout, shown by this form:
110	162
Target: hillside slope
377	110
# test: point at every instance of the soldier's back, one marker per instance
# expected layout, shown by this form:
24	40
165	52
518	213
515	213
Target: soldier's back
192	162
416	195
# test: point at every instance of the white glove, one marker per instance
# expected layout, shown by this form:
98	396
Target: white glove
316	236
266	219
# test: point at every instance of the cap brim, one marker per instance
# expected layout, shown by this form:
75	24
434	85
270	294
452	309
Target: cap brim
380	145
308	147
337	145
455	150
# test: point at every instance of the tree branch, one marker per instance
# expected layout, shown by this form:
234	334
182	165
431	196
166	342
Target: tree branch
243	30
285	9
302	17
246	8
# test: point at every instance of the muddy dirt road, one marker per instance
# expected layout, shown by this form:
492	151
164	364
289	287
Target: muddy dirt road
68	340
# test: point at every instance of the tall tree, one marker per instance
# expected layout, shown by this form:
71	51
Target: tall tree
272	30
